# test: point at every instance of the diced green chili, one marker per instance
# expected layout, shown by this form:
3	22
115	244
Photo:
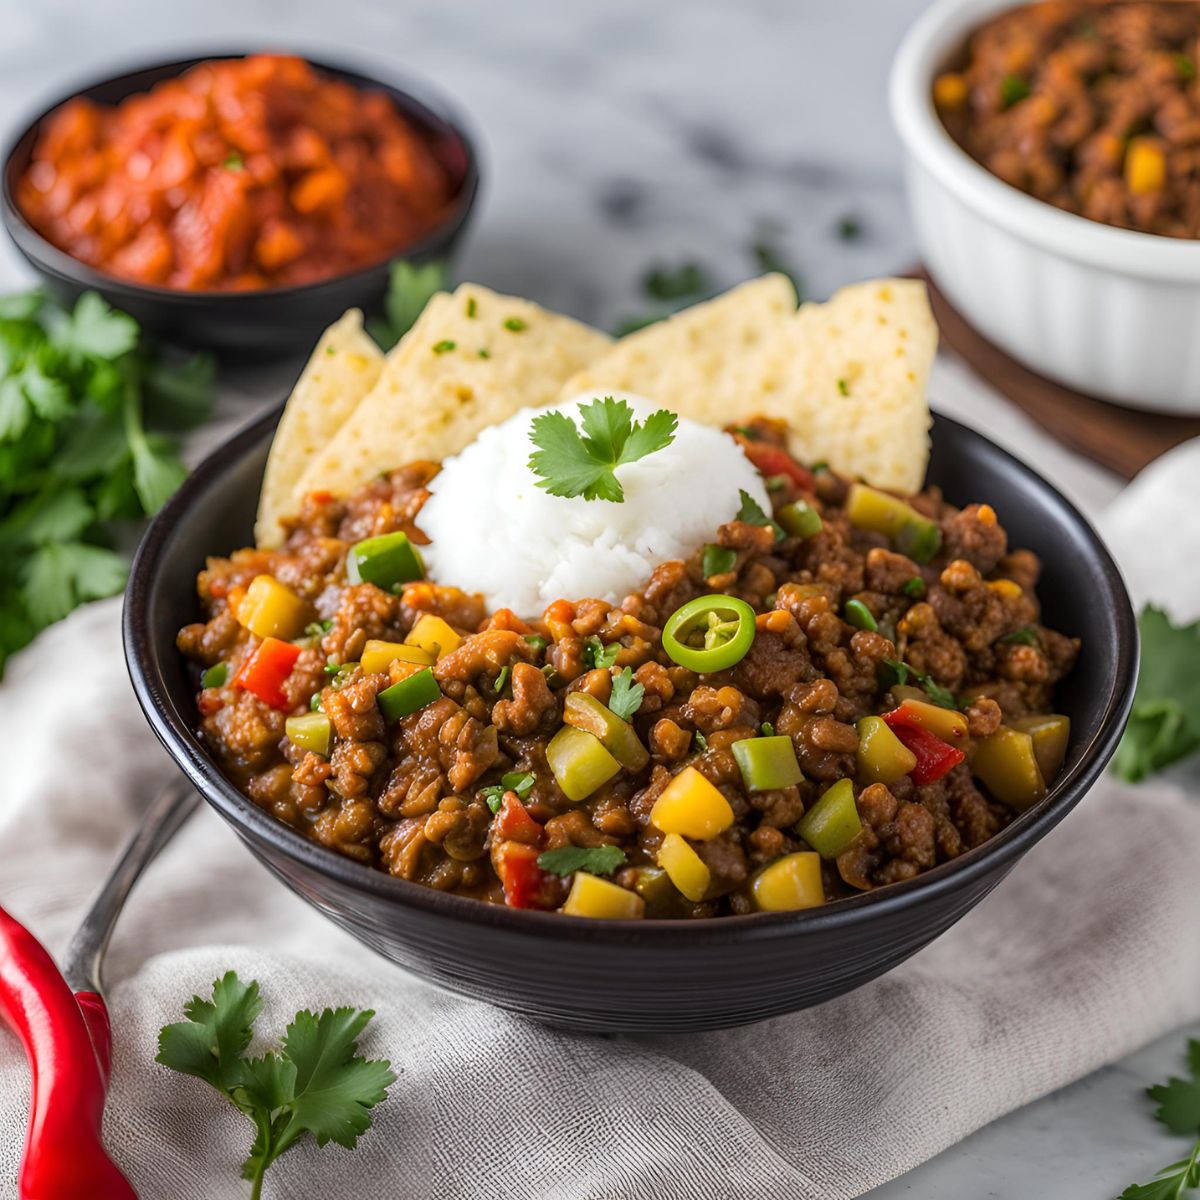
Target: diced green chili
709	633
767	763
312	732
800	519
833	822
860	616
384	561
215	676
617	736
915	587
409	695
717	560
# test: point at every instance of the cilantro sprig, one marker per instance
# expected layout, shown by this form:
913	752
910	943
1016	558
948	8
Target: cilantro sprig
574	462
520	782
626	696
1178	1102
315	1083
595	860
600	654
751	513
942	697
84	410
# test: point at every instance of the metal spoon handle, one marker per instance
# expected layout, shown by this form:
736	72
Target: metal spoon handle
82	963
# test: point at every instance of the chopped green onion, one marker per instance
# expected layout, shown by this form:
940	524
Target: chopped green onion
776	483
800	519
409	695
502	679
860	616
385	561
472	307
515	324
1012	90
443	347
315	705
915	587
701	740
317	629
536	641
520	782
767	729
716	560
215	676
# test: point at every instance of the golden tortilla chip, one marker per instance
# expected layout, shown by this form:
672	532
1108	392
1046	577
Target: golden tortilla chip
473	359
343	368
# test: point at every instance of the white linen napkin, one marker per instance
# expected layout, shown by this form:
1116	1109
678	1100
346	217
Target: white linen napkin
1087	950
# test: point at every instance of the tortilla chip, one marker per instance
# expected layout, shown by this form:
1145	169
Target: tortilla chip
343	368
473	359
848	376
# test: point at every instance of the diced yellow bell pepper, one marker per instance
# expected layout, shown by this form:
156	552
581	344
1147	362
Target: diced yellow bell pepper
1010	589
1050	732
1007	766
882	756
691	807
788	883
377	656
944	723
269	609
950	92
687	870
592	896
1145	167
433	635
579	762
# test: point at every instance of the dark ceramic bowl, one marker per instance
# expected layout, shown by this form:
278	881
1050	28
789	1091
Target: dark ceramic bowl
642	975
253	324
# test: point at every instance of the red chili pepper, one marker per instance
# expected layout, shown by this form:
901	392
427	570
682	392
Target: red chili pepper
774	460
934	757
523	879
265	671
65	1039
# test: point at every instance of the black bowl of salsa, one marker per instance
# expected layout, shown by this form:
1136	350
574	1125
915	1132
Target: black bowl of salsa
647	975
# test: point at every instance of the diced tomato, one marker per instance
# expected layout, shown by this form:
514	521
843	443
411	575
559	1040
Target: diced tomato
263	674
514	824
774	460
934	757
523	879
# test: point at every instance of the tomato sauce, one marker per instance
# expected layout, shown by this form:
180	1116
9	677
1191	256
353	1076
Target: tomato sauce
240	174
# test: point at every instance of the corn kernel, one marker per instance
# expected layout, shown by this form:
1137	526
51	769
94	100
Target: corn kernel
789	883
686	869
691	807
1008	588
950	91
592	896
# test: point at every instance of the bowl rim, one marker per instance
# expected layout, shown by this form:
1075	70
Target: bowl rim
427	99
939	30
249	820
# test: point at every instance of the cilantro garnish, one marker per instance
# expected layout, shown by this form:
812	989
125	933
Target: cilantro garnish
716	560
571	463
626	696
1025	636
942	697
318	629
1178	1109
751	513
502	679
701	740
1012	89
915	587
316	1082
1185	67
409	290
520	782
1165	723
596	860
597	654
536	641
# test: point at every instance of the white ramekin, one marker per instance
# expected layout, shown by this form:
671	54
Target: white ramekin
1111	312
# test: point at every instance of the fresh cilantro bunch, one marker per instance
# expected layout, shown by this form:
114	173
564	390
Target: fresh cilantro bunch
569	462
316	1083
79	395
409	290
1178	1109
1165	723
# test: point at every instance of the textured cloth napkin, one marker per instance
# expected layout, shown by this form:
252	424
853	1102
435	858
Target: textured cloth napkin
1087	950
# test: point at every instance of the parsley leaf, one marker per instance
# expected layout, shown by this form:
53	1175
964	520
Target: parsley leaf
410	288
569	462
93	330
751	513
60	576
317	1083
1165	723
1178	1109
520	782
626	696
597	654
595	860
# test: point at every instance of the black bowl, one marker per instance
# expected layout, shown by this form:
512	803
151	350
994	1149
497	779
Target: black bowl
251	324
642	975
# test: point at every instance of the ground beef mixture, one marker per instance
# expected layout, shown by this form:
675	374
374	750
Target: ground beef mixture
1094	107
420	796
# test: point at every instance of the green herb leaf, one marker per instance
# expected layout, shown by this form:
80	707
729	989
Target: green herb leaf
60	576
217	1032
915	587
520	782
536	641
898	669
515	325
689	281
717	560
410	288
600	654
595	860
1165	724
751	513
700	740
626	696
444	347
1185	68
94	330
234	162
502	679
1012	90
569	462
768	257
1178	1109
1026	636
843	386
767	729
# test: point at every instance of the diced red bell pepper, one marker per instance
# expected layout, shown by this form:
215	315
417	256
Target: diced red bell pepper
263	674
934	757
774	460
514	824
523	879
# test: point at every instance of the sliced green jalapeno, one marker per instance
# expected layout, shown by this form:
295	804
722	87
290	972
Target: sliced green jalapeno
709	633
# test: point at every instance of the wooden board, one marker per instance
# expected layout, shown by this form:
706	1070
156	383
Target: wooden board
1124	440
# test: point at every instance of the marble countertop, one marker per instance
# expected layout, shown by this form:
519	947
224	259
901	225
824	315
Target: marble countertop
617	135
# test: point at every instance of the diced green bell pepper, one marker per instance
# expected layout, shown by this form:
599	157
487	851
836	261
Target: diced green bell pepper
409	695
800	519
384	561
579	762
617	736
312	731
767	763
833	822
216	676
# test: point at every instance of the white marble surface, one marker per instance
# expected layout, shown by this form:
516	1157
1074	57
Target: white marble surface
615	134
